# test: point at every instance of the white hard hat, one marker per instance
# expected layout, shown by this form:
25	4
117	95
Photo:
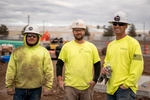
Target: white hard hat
32	29
120	17
79	23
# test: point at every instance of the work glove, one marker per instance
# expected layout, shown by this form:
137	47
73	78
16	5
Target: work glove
103	77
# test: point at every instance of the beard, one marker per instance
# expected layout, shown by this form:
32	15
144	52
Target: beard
79	38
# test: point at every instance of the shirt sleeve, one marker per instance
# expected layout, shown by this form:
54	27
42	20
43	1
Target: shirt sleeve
48	70
10	72
136	66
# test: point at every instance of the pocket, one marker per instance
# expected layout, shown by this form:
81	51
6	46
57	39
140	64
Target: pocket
132	95
121	89
125	94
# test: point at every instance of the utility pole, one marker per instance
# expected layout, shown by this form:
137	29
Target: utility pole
28	19
144	33
43	26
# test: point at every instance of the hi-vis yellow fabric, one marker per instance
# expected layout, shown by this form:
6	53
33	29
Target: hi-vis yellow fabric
30	67
126	60
79	60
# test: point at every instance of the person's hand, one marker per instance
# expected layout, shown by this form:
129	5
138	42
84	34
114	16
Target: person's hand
122	87
92	84
104	71
61	84
46	92
10	91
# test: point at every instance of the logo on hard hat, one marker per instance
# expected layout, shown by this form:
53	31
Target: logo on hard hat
77	23
30	28
117	18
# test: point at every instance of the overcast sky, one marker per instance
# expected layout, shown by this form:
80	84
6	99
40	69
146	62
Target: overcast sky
64	12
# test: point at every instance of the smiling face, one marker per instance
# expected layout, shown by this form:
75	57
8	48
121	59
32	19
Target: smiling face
78	33
31	39
119	29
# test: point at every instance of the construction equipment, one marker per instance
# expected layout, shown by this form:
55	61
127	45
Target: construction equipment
54	47
6	49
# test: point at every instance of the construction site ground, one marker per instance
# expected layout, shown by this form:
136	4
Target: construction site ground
99	90
57	94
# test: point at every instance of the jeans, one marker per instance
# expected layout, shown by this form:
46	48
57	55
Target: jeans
27	94
122	94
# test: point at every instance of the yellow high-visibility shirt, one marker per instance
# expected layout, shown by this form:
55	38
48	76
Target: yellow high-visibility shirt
126	60
79	60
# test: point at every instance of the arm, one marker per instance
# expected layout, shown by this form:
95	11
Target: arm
136	67
10	75
97	68
48	70
59	70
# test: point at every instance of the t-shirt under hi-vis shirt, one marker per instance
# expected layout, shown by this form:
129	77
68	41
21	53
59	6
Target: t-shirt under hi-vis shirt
126	60
79	60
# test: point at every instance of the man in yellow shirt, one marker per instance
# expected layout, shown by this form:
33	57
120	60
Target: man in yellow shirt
80	58
125	58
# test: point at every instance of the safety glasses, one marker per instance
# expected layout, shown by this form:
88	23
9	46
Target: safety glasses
79	30
119	24
32	35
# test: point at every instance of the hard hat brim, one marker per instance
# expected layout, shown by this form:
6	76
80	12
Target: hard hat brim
79	27
118	22
31	32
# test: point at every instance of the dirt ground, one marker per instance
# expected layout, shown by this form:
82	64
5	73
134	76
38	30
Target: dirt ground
58	94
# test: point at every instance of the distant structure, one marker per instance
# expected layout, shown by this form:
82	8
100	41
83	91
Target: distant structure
28	19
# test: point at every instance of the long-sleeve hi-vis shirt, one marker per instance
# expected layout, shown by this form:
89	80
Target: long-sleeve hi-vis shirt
29	68
126	60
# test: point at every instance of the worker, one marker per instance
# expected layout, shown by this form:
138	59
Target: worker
30	68
124	57
79	57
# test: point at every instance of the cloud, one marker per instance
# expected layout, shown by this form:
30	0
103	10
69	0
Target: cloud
64	12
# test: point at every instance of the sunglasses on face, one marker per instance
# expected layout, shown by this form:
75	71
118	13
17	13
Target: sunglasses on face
32	35
119	24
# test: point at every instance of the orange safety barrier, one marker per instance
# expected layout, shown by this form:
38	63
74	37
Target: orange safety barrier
46	36
146	49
